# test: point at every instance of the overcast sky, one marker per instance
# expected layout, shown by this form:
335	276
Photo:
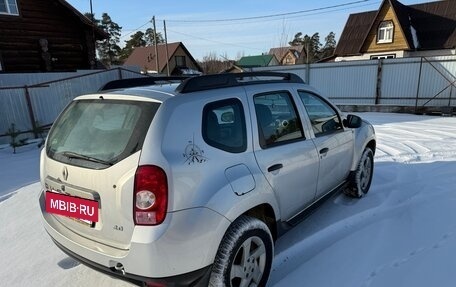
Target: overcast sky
231	38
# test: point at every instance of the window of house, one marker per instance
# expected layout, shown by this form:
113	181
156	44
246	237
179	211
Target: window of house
323	117
378	57
385	32
8	7
180	61
277	118
224	126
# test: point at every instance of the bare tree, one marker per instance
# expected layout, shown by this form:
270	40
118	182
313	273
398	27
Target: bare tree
212	64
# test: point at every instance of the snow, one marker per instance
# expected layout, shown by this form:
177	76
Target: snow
403	233
18	170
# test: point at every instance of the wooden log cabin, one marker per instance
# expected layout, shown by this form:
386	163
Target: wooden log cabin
45	36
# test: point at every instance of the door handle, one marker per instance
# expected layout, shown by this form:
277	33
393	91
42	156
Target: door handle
324	150
275	167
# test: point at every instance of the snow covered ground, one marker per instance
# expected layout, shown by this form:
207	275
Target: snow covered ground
403	233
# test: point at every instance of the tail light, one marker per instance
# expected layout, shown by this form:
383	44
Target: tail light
150	199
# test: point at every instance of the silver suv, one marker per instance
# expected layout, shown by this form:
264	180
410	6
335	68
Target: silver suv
190	184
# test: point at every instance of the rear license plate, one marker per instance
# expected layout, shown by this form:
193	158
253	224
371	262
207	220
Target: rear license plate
84	210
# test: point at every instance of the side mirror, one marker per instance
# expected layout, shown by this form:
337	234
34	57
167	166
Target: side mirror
353	122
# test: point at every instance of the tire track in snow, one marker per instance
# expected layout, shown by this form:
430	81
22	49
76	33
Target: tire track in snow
388	150
416	147
398	262
407	131
442	133
418	157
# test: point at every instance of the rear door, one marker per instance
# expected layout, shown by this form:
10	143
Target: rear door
334	143
288	160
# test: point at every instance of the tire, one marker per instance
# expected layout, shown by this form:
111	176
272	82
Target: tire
244	257
361	179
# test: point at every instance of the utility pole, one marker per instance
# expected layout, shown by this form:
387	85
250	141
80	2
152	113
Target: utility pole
94	56
155	44
166	49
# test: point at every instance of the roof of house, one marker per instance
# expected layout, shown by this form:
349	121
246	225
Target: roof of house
144	57
434	23
99	33
280	52
255	61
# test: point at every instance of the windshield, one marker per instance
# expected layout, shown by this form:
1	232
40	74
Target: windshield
98	133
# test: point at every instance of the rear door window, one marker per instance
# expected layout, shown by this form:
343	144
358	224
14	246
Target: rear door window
98	133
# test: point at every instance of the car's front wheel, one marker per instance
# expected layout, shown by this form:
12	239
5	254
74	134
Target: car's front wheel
361	178
245	255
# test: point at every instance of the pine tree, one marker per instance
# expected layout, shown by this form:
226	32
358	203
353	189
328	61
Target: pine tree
149	37
330	45
136	40
311	46
108	49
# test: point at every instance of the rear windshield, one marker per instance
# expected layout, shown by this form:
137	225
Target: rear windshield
98	133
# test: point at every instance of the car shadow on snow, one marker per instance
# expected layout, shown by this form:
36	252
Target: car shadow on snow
68	263
396	188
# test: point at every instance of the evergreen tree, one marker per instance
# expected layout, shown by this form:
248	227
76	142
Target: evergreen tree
311	46
136	40
140	39
330	45
149	37
108	49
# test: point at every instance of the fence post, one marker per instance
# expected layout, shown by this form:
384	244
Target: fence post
378	90
30	110
120	73
451	92
308	74
418	88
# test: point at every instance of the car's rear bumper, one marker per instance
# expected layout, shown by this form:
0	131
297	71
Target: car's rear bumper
196	278
185	243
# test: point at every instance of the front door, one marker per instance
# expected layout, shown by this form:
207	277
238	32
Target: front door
334	143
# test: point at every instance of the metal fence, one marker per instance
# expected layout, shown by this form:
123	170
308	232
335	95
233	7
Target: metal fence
31	101
412	82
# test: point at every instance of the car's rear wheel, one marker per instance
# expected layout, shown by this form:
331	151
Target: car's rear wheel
361	178
245	255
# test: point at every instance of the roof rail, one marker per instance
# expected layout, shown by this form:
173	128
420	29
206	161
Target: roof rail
138	82
218	81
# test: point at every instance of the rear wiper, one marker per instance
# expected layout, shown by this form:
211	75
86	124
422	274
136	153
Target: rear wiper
70	155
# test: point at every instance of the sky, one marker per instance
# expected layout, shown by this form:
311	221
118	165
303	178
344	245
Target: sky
191	22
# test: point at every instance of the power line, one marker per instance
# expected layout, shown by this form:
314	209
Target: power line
291	18
134	30
214	41
293	15
250	48
271	15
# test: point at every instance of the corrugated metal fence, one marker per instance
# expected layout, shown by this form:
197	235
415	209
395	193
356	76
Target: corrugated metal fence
30	101
34	100
413	82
